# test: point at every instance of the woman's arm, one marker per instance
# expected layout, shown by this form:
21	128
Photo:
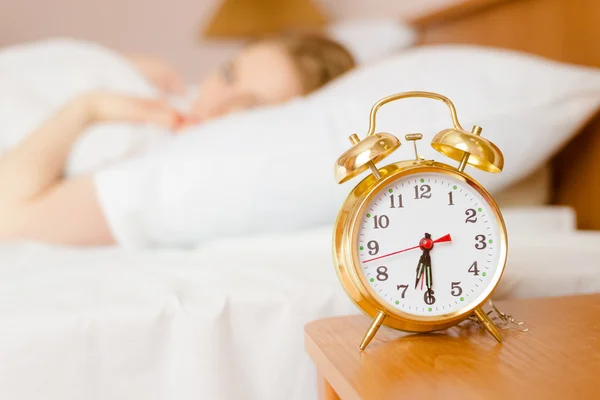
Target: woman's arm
35	201
158	72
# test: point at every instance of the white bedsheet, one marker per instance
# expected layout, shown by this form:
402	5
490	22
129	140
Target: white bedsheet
221	321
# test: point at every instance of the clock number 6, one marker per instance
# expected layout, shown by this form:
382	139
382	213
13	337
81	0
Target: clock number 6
428	297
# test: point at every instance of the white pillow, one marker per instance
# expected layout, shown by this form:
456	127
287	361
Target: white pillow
371	40
37	78
527	105
271	170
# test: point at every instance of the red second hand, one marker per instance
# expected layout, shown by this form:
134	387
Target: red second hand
445	238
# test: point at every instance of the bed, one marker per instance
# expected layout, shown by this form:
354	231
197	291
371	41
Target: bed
164	324
108	323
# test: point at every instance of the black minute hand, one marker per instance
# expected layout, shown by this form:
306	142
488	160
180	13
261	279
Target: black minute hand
428	275
424	266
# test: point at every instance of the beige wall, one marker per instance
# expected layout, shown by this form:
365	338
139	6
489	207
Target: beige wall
165	27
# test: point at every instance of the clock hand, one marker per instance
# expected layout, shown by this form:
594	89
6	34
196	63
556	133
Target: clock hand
424	271
420	267
445	238
429	299
427	244
428	274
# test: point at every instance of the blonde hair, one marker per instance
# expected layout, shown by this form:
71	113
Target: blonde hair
318	60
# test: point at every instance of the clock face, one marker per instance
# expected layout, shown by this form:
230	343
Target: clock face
429	244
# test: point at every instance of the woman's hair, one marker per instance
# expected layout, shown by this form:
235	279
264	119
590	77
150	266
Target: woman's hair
318	59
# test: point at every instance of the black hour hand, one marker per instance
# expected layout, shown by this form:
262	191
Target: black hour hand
420	269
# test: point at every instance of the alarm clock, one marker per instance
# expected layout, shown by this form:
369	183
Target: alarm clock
419	245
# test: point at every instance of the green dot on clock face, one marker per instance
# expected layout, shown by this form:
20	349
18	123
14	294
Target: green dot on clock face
480	209
484	274
429	309
454	187
397	302
372	280
422	180
491	241
368	215
462	299
390	190
362	248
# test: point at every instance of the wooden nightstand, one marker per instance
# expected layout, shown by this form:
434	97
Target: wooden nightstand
558	358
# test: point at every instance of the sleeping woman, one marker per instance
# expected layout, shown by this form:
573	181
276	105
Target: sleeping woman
38	202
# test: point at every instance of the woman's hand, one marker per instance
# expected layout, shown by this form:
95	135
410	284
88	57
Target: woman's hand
108	107
40	203
160	73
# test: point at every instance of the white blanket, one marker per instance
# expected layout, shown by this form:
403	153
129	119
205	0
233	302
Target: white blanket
223	321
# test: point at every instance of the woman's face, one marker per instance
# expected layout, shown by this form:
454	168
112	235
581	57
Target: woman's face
263	73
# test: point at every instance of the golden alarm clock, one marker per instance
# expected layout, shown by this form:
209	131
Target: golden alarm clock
419	245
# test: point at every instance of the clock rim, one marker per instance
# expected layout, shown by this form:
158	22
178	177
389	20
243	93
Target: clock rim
345	251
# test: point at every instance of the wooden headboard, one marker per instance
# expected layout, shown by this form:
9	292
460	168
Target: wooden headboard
563	30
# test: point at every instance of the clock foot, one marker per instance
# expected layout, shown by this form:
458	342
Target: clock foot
373	328
488	324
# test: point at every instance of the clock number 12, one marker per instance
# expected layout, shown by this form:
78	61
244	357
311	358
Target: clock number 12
425	192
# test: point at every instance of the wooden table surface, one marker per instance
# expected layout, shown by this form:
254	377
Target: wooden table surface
558	358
